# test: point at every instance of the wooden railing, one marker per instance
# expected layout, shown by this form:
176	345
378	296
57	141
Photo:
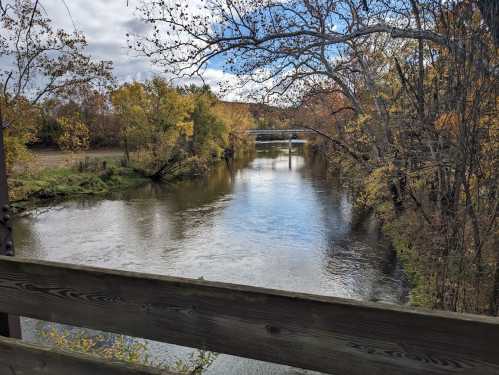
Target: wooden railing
313	332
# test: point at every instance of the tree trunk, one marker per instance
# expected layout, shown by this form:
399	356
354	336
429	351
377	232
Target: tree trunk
127	151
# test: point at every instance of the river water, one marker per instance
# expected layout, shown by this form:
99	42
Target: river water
269	221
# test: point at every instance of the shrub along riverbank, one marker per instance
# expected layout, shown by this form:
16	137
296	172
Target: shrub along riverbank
414	237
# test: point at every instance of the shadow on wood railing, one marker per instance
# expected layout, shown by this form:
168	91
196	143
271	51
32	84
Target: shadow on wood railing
313	332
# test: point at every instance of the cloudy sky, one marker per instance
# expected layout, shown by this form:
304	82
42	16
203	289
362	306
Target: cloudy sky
105	24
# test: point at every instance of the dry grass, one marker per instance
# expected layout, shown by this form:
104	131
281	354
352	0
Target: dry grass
49	159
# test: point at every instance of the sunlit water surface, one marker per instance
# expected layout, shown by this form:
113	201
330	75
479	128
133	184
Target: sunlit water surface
257	222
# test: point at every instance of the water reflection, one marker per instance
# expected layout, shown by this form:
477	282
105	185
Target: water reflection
254	222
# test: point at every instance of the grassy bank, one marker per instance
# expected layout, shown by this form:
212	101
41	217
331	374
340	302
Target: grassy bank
87	177
94	176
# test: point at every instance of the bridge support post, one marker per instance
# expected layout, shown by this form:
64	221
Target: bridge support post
290	149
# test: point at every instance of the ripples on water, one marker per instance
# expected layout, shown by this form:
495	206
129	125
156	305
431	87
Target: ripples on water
256	223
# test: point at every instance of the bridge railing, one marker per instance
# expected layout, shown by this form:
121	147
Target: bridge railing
313	332
279	131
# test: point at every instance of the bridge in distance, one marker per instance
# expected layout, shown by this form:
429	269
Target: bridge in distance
287	136
279	131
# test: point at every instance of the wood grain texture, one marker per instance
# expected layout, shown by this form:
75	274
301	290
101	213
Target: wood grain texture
19	358
314	332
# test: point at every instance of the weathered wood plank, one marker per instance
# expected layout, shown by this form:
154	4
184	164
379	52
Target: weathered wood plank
314	332
19	358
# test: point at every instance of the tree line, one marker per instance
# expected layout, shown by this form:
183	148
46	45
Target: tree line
54	95
159	127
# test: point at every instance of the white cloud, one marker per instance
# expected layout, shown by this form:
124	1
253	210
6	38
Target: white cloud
105	24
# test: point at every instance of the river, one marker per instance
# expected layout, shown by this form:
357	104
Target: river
264	221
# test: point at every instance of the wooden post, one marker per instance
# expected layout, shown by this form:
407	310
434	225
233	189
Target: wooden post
9	325
290	150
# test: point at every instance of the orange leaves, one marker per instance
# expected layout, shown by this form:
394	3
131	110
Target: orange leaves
448	121
186	128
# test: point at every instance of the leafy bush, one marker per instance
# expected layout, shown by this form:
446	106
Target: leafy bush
124	349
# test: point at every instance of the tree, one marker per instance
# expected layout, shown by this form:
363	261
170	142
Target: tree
74	135
131	104
40	62
170	117
209	130
406	90
94	105
287	43
171	110
237	120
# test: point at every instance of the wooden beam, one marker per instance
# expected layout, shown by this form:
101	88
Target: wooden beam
20	358
313	332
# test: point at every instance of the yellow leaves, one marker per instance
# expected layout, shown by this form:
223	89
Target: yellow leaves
117	348
363	119
75	135
236	117
186	128
15	151
128	95
448	121
357	129
175	107
23	121
130	102
376	187
395	108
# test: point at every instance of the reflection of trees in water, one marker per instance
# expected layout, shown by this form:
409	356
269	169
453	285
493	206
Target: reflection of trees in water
183	205
370	268
27	240
87	203
154	209
269	151
274	150
357	255
24	236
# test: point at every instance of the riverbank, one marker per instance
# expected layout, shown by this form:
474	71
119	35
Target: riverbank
369	196
443	272
87	177
58	177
